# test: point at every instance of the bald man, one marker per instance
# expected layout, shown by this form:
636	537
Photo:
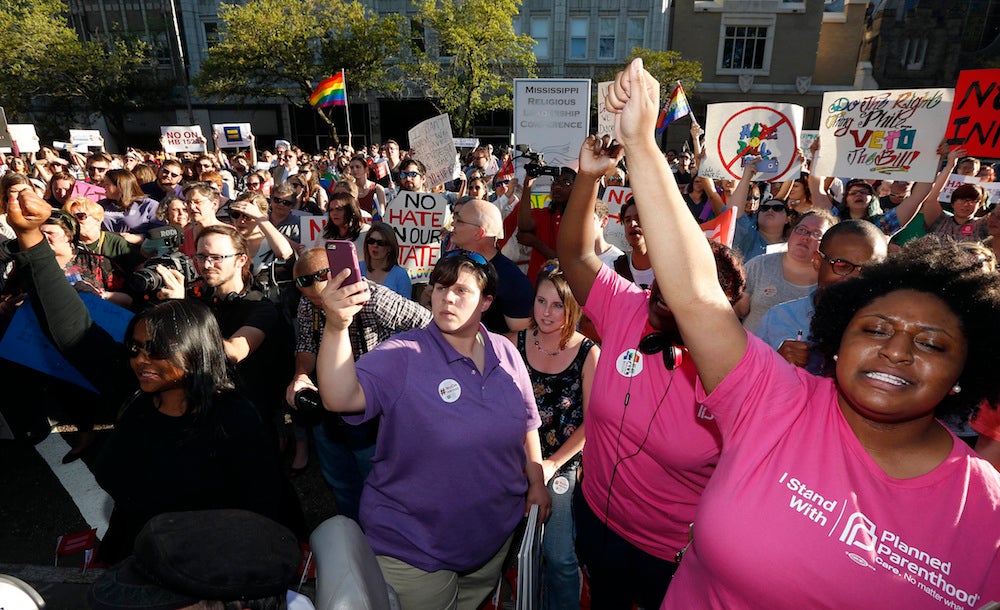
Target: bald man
477	227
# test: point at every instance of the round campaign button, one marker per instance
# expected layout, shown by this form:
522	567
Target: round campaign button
560	485
629	363
449	390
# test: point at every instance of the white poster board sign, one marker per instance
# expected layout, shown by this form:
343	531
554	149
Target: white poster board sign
82	139
552	115
25	136
435	148
181	138
465	142
882	134
735	131
232	135
605	118
417	219
614	233
311	230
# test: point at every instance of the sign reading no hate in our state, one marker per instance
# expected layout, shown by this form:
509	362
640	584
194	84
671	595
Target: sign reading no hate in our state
974	123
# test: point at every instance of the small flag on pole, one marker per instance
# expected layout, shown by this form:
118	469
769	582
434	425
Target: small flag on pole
331	92
676	107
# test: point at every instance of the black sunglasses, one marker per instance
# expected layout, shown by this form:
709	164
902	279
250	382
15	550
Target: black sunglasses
774	207
287	202
371	241
233	214
473	257
305	281
134	348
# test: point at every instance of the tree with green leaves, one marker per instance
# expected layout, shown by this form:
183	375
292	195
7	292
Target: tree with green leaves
476	60
284	48
667	67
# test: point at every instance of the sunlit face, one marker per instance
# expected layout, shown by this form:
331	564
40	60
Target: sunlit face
967	168
90	226
410	178
805	238
846	248
156	373
633	227
549	311
177	213
965	208
111	190
56	237
378	245
338	216
359	171
205	166
96	171
457	309
314	292
987	174
226	270
392	149
478	190
62	189
169	176
797	192
899	357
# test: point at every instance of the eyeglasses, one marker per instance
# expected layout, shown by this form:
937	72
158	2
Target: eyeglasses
842	267
774	207
409	174
81	216
473	257
305	281
171	174
253	185
288	202
800	230
456	218
94	169
502	182
617	179
215	259
854	192
752	198
134	348
233	214
371	241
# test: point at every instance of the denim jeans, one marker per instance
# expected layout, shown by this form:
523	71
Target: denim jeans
345	465
560	568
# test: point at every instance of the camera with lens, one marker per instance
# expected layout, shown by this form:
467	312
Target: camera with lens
309	409
162	245
535	166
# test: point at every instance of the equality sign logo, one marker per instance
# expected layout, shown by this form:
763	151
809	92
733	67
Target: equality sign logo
737	132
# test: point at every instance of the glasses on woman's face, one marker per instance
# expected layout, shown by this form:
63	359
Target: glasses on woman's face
81	216
841	266
805	232
774	207
305	281
233	214
134	348
285	202
381	243
253	185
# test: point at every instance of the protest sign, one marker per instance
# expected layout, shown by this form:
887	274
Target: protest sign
974	122
417	219
722	228
615	197
992	191
882	134
25	136
605	118
82	139
736	131
552	115
955	181
232	135
177	138
436	149
25	343
5	140
311	230
82	188
806	138
465	142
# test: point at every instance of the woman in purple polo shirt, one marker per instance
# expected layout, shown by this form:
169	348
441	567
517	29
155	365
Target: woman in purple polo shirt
457	449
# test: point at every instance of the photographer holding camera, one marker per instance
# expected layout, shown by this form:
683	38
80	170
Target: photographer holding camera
538	229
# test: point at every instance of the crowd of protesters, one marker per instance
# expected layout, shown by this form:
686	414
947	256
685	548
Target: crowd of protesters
659	401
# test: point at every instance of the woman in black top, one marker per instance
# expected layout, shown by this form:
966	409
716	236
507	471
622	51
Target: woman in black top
184	439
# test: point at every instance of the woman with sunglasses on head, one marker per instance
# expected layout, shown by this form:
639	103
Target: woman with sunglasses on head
843	491
561	364
381	260
184	439
457	461
371	195
650	450
784	276
264	241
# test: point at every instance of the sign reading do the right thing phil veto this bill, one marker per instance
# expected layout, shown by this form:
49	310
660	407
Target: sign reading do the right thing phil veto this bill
889	134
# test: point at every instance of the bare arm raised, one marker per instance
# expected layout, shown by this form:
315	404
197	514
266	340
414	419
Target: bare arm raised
682	259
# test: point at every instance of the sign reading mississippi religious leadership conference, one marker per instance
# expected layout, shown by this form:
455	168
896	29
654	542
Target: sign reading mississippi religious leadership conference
890	134
552	115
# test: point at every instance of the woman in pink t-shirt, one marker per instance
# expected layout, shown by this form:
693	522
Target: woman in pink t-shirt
842	492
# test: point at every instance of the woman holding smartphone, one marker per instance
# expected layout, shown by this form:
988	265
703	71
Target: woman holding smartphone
457	455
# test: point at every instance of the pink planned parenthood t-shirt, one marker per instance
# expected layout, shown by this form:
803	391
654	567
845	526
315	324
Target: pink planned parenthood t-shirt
798	515
661	447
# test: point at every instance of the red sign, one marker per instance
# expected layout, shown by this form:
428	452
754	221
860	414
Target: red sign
974	123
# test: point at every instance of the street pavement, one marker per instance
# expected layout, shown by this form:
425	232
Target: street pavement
43	499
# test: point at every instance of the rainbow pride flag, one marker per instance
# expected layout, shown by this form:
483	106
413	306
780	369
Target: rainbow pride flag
676	107
331	92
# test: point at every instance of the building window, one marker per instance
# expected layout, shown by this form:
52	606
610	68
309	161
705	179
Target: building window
914	52
211	34
636	32
578	38
606	38
540	32
417	35
745	45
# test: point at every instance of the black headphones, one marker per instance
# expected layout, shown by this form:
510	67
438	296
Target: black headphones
657	343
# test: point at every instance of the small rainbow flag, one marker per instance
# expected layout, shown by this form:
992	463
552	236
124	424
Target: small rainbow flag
676	107
331	92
